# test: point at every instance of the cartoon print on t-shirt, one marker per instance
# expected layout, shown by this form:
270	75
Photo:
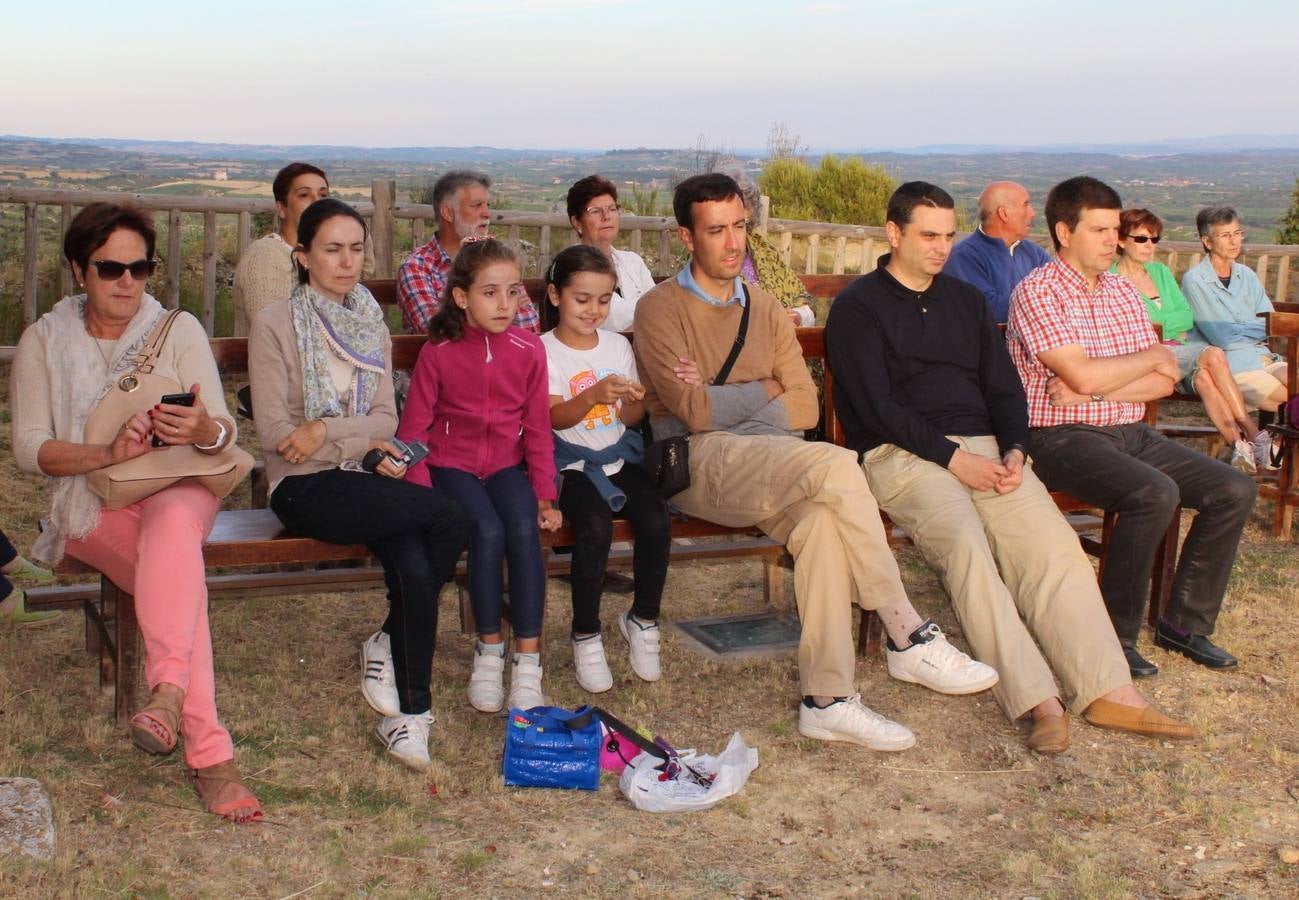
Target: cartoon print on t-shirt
600	416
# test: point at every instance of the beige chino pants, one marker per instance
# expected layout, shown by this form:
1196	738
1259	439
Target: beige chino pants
812	498
1044	577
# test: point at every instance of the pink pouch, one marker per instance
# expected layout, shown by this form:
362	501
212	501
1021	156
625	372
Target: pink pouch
615	751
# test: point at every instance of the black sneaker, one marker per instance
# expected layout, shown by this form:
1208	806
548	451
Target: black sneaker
1195	647
1138	665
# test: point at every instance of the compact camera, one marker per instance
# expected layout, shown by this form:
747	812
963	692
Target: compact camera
411	453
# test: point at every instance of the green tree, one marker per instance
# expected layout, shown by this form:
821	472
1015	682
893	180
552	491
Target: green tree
1287	231
848	191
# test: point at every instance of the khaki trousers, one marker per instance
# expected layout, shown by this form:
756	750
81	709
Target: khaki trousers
812	498
1044	577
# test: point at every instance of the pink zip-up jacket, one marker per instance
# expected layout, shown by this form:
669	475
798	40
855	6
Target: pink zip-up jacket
482	404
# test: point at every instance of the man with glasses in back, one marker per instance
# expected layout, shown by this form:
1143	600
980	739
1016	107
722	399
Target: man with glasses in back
1227	299
1087	354
463	214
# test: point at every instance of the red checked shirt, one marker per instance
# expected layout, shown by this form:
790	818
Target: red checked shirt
1054	306
423	280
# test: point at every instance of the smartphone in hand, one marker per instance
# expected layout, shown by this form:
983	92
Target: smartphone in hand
184	399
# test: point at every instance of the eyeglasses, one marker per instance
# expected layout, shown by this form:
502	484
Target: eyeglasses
111	269
1236	235
1142	238
602	211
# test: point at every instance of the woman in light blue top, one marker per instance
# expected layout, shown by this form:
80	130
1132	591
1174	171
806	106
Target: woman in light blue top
1227	299
1204	368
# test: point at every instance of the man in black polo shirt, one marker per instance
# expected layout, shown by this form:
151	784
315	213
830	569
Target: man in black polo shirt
926	390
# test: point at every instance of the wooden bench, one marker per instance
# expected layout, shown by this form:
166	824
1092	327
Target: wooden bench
1283	323
255	538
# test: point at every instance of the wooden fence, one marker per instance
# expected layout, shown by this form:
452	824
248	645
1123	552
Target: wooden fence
864	244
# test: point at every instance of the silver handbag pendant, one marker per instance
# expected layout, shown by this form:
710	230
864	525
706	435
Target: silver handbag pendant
129	382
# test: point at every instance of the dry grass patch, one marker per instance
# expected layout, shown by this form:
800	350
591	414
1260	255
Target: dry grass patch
967	812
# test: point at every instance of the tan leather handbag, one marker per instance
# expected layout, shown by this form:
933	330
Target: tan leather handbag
128	482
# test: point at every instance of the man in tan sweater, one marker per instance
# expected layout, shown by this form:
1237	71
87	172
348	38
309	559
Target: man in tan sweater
749	465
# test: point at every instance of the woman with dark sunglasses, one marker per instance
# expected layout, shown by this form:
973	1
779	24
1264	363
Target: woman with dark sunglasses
1204	368
83	347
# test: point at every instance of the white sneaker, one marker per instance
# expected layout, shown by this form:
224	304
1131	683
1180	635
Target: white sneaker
849	720
525	685
406	738
378	678
592	668
643	642
1243	457
1262	446
933	662
487	682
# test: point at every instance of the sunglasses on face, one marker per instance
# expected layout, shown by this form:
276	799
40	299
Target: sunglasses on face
111	269
1142	238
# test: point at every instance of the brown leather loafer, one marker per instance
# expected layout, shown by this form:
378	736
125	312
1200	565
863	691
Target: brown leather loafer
1049	734
1106	714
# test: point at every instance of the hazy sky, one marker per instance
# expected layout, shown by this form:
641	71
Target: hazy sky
603	73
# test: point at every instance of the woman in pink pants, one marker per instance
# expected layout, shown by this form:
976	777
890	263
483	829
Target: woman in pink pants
153	549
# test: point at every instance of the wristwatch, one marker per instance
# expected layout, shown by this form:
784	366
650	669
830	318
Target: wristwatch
221	437
1097	398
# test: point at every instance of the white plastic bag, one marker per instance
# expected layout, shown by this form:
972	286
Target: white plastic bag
644	786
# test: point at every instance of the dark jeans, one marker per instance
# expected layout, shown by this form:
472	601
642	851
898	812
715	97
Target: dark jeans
7	555
592	520
416	533
1131	470
502	512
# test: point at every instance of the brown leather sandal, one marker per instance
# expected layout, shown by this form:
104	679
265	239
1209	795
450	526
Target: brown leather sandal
154	728
224	793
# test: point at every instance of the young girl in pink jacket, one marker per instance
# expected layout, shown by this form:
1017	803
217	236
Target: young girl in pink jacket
479	399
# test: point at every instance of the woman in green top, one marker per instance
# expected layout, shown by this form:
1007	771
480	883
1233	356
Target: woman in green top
1204	368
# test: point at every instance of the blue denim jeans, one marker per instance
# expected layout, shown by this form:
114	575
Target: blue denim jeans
502	510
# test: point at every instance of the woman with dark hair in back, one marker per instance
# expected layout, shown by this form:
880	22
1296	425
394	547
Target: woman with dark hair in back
1204	368
321	368
78	351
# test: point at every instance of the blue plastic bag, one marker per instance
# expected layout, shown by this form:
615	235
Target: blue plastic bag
548	746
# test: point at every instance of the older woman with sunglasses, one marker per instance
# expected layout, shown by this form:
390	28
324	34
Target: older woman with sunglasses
1204	368
153	548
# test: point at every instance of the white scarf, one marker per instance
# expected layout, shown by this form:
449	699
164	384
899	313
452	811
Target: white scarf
75	372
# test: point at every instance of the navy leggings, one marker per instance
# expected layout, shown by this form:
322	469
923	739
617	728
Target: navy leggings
502	510
7	555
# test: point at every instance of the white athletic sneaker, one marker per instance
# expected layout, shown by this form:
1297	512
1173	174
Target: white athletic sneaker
643	642
406	738
378	678
592	668
525	685
1243	457
849	720
487	682
1262	445
933	662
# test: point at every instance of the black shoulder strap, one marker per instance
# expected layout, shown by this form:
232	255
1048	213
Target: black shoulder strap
739	341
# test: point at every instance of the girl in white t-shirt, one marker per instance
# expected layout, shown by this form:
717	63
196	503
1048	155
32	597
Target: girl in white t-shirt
594	396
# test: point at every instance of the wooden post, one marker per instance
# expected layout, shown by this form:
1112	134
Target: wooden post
665	253
786	246
1172	261
65	271
512	234
29	263
1195	260
840	251
867	249
384	193
543	248
1261	268
813	247
635	241
209	270
1282	279
417	238
175	264
245	235
764	214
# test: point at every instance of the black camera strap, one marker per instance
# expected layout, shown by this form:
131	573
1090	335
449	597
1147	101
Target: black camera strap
739	341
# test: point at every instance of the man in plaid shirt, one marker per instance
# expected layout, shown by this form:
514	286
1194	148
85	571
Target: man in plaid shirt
1089	360
464	212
